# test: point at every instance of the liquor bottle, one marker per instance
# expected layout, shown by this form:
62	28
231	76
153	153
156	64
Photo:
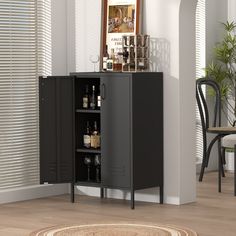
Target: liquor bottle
86	98
110	60
95	137
117	63
93	98
87	137
124	59
125	55
104	60
98	99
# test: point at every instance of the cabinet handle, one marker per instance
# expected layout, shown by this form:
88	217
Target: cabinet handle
103	92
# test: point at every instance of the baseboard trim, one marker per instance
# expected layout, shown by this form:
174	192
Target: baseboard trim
32	192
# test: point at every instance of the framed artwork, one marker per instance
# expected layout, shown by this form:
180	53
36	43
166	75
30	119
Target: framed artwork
120	17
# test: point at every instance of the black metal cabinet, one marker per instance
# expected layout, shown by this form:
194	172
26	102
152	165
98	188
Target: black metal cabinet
130	122
56	102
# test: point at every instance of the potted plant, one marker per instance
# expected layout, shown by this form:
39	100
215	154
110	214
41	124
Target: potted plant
223	70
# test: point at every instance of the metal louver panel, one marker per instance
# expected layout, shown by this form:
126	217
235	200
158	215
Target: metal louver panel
25	53
200	65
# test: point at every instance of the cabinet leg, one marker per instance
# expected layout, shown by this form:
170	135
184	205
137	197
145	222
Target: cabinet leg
234	170
72	193
132	199
219	166
161	194
102	192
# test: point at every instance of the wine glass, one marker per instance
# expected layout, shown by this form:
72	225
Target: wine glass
97	163
88	161
94	59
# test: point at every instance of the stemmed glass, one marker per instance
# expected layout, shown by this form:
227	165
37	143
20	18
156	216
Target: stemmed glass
94	59
97	163
88	161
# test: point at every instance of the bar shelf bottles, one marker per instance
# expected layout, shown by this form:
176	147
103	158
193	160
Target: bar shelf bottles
136	53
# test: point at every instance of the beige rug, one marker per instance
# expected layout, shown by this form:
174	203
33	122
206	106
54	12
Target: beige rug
115	230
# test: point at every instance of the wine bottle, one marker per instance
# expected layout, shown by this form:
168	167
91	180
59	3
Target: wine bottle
98	99
87	137
110	61
104	60
93	98
86	98
95	137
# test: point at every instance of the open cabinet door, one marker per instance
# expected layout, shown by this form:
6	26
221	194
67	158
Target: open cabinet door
56	96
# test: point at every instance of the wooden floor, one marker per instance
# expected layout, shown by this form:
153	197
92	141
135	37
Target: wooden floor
214	214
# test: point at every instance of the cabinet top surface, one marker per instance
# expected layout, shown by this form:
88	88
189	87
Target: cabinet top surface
100	74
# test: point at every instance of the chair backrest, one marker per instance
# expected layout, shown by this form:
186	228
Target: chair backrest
202	104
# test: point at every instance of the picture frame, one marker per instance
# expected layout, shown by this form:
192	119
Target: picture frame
119	17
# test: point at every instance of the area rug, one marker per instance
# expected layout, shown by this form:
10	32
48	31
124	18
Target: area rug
115	230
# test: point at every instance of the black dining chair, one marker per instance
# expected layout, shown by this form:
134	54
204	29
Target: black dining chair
214	128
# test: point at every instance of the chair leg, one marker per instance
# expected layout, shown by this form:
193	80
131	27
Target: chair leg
219	165
206	156
235	170
202	170
223	155
204	159
223	161
218	137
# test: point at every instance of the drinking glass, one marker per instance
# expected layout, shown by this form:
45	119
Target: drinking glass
97	163
88	161
94	59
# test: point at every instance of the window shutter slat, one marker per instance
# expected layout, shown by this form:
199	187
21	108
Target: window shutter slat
200	65
25	53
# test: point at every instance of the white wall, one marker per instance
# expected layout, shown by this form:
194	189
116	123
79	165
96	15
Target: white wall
232	10
59	37
216	12
88	32
167	39
187	73
63	37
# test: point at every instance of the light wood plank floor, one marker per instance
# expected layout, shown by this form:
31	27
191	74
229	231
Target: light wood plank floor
214	214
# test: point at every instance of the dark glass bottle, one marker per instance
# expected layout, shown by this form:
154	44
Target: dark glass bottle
124	54
93	98
95	137
104	60
87	137
86	98
110	60
98	99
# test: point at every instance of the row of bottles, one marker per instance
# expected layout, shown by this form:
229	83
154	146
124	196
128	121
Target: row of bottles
90	162
91	137
112	61
91	100
133	56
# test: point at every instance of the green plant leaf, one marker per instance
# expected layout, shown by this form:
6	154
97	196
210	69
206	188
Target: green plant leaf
222	69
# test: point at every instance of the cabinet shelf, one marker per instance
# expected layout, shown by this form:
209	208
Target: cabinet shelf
88	183
85	150
87	111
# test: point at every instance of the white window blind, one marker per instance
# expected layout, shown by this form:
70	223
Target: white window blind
25	53
200	65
